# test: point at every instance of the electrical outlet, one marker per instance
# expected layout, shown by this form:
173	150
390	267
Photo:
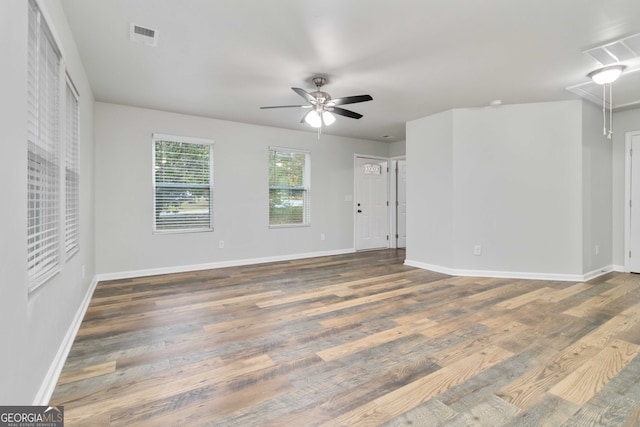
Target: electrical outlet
221	244
322	236
477	250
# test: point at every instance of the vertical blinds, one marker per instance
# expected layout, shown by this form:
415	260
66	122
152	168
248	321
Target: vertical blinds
72	172
183	175
43	200
289	189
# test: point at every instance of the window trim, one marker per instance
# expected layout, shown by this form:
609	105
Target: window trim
306	186
188	140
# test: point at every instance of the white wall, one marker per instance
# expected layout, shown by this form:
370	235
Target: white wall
514	175
430	190
623	121
596	192
397	149
124	212
33	326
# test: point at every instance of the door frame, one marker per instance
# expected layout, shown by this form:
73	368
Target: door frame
627	196
393	197
355	195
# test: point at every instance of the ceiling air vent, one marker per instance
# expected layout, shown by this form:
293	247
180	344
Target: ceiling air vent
617	51
144	35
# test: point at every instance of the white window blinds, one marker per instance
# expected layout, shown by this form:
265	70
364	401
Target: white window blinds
182	181
43	200
289	187
72	171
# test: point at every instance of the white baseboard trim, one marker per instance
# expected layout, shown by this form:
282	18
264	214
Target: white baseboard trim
511	274
597	273
49	383
213	265
618	268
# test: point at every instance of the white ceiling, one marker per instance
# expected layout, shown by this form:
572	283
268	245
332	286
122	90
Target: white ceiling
226	58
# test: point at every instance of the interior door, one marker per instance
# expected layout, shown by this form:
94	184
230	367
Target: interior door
372	204
401	203
634	207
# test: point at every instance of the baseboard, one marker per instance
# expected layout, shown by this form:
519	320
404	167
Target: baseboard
49	383
597	273
213	265
431	267
618	268
510	274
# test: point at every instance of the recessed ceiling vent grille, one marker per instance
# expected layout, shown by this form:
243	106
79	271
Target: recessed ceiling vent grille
617	51
144	35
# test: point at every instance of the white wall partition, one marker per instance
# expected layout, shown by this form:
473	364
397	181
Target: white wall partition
430	190
499	191
597	189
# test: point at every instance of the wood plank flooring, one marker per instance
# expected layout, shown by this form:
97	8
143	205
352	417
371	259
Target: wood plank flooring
355	340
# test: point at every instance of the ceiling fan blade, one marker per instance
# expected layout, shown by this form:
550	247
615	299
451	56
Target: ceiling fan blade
284	106
350	100
306	95
347	113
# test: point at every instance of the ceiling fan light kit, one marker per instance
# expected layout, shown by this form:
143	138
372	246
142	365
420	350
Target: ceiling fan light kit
315	119
323	107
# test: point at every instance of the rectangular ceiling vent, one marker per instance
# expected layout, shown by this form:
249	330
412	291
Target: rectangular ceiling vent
144	35
617	51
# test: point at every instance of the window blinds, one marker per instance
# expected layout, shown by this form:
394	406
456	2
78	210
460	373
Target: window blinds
43	197
72	171
289	190
183	175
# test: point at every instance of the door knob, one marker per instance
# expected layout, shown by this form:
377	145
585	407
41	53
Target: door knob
359	211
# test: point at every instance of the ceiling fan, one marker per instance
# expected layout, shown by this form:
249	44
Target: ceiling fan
322	106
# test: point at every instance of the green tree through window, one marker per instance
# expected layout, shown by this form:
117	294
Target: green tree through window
182	182
288	187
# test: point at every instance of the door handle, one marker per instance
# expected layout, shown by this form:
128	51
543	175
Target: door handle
359	211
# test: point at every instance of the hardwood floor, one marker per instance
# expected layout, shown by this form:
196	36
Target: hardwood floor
356	339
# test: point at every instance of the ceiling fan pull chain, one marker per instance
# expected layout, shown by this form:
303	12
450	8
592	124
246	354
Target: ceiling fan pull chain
610	111
604	111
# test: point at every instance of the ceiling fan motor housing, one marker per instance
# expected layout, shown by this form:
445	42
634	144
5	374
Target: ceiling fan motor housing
321	97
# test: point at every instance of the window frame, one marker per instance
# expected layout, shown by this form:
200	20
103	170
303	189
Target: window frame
306	187
186	140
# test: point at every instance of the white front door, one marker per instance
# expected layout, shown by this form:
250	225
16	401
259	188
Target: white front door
634	206
401	205
372	204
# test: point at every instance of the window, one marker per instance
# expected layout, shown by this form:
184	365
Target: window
43	151
72	171
289	189
182	183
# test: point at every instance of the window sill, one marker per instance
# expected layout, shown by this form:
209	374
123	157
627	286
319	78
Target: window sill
289	225
198	230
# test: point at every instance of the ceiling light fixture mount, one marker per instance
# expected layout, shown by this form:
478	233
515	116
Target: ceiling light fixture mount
605	76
